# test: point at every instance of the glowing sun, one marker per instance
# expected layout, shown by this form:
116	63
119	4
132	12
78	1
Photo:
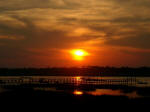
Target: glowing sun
79	54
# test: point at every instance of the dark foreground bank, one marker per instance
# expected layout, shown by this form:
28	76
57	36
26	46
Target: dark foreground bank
29	98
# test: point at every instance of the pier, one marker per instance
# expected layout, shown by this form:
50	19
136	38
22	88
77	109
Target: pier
76	81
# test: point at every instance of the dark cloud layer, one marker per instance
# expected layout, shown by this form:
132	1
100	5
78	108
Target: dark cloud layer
140	41
12	5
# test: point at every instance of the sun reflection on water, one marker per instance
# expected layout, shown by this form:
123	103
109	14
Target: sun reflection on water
78	78
76	92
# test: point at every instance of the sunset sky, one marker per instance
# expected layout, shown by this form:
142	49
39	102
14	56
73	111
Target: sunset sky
43	33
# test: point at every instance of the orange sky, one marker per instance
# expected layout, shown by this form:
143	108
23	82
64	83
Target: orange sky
42	34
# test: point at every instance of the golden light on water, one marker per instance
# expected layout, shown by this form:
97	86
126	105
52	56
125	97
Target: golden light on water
78	78
79	54
76	92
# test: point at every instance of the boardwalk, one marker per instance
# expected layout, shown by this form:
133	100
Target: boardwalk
9	81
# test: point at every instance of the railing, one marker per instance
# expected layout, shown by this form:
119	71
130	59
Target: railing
69	80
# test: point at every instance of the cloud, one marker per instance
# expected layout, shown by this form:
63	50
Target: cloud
138	41
12	5
65	24
10	37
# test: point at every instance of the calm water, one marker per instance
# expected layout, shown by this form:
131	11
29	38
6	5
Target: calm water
96	92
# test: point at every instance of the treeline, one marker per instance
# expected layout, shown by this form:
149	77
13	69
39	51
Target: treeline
84	71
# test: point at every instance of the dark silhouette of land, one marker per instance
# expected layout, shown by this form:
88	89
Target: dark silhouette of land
75	71
27	92
28	98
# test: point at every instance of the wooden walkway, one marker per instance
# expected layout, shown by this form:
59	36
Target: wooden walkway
69	80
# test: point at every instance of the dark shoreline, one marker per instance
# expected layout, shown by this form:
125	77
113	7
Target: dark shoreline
84	71
25	96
